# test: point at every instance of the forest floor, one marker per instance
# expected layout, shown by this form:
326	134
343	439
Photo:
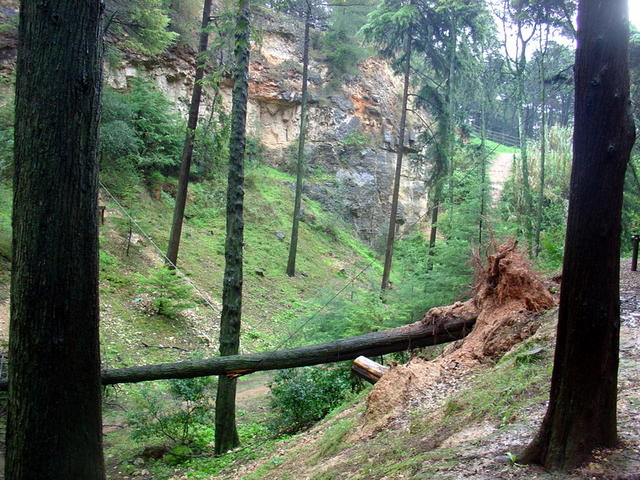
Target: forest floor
461	428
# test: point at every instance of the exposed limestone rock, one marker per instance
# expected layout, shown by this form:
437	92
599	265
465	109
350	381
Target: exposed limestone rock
356	178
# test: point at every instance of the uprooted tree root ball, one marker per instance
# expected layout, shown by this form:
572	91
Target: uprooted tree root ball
509	297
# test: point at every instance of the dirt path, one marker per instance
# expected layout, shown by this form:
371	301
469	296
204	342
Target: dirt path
499	172
253	390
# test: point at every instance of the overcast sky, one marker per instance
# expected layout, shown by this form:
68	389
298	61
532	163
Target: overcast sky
634	12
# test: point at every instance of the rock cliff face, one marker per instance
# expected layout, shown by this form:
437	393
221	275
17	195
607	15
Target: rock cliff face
352	128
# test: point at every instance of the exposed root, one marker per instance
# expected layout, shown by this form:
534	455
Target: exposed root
508	298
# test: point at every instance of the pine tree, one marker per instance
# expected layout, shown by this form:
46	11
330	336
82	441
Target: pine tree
187	149
54	428
582	408
226	432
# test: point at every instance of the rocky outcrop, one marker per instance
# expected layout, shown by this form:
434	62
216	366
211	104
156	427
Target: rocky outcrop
352	129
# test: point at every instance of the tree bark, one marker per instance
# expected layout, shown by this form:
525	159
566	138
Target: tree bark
582	407
388	256
226	433
187	148
415	335
293	247
54	427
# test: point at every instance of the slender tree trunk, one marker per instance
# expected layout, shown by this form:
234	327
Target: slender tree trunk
543	141
226	432
437	198
388	256
187	148
582	407
449	140
524	155
445	134
483	168
293	247
54	427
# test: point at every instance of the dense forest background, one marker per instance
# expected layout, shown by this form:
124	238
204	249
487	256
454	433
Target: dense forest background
487	158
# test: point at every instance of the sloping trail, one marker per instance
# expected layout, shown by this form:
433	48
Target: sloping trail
499	172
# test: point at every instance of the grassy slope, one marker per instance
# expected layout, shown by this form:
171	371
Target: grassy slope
496	402
271	299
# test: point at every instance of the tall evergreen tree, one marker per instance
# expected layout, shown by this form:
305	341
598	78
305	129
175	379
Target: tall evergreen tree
226	431
293	246
54	428
187	149
582	407
390	27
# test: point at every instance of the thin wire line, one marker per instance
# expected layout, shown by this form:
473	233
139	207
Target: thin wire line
215	309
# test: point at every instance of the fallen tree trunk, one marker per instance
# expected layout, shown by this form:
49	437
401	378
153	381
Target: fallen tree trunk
419	334
367	369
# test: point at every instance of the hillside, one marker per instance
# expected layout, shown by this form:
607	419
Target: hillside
502	310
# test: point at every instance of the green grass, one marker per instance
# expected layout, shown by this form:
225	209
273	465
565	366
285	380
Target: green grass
494	147
500	395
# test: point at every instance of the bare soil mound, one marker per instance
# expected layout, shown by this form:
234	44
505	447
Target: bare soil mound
509	297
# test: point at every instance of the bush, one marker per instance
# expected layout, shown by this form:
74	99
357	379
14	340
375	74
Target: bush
183	420
356	140
159	129
303	396
170	294
151	19
140	136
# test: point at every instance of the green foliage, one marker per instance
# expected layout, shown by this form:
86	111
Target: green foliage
342	53
151	20
140	135
186	21
211	148
363	311
181	417
356	139
303	396
170	294
159	128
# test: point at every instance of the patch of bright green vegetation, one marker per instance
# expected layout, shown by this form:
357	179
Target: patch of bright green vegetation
494	147
503	393
332	441
5	222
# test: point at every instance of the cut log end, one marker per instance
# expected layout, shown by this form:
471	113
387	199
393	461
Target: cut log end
368	370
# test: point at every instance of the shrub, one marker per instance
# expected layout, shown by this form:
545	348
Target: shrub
151	19
182	419
159	129
356	140
170	294
303	396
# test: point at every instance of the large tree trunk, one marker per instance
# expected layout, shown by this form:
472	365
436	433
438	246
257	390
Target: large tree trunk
582	406
187	148
415	335
54	428
388	256
226	432
293	247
